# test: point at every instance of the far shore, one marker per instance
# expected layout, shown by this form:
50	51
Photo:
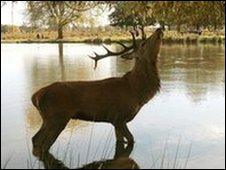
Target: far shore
108	36
182	40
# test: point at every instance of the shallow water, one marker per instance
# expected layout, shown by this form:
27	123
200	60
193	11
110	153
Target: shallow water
183	126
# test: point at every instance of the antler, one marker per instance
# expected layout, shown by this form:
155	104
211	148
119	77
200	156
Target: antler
129	55
142	33
124	52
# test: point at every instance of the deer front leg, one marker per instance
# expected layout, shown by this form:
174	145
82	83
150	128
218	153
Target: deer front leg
119	133
127	134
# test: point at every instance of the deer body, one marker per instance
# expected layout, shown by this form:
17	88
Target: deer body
115	100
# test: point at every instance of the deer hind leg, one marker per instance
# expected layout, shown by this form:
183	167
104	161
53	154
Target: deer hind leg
53	129
48	134
37	138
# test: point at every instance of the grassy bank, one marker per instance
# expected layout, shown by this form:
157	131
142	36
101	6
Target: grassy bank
107	36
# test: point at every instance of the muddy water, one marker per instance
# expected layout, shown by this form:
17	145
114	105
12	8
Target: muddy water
183	126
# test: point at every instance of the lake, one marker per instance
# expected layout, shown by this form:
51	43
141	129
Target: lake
183	126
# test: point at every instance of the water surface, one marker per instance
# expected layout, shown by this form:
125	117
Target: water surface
185	121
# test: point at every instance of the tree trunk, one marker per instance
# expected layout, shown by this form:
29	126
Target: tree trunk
61	60
60	32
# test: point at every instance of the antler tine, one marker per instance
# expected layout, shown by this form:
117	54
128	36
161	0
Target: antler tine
108	51
142	33
132	46
95	60
134	39
123	45
136	32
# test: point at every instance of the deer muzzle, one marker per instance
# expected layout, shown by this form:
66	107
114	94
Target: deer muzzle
159	32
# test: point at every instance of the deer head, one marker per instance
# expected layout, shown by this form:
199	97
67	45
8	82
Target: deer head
146	47
149	48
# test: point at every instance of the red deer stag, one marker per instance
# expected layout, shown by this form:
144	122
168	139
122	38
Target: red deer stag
115	100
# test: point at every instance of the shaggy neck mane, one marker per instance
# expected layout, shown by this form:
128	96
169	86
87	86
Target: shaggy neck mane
144	79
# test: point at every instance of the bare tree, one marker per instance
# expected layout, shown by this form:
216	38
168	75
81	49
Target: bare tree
57	13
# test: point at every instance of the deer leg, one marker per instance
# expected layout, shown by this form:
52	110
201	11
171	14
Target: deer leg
55	127
49	134
127	134
37	138
50	162
119	149
119	133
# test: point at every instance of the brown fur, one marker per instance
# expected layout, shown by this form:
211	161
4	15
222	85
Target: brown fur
115	100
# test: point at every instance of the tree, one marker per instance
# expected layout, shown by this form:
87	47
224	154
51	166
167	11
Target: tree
215	18
206	14
57	13
171	13
131	14
3	3
190	13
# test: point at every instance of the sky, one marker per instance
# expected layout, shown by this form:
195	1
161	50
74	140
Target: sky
19	16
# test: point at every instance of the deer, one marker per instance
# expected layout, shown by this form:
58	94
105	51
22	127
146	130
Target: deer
114	100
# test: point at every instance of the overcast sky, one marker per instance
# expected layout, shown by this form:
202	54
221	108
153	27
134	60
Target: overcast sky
19	16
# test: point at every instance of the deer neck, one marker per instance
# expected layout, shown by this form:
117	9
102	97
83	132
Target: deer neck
144	79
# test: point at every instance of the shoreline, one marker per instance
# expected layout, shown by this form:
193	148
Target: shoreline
167	40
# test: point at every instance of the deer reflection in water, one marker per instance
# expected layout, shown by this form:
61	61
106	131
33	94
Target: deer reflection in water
115	100
120	160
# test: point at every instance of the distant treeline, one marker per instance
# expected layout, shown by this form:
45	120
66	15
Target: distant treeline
29	29
178	14
182	16
10	28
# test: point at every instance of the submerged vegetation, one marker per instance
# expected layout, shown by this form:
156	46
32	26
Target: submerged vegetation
171	156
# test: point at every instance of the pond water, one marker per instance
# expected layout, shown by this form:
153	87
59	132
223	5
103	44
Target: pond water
183	126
